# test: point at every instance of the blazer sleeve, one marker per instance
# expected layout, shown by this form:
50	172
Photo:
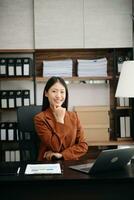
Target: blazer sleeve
80	147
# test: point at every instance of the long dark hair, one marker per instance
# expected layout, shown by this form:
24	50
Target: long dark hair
49	84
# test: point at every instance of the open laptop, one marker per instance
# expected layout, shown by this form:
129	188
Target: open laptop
113	159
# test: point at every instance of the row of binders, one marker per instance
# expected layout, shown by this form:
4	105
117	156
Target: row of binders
12	155
14	98
123	101
10	134
94	67
9	131
15	67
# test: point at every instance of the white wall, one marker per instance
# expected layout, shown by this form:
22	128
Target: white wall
58	23
16	24
82	94
83	23
65	24
108	23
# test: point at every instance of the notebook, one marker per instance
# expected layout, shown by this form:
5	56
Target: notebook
112	159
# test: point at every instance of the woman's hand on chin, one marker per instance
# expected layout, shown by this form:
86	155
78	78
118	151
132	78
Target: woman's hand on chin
59	113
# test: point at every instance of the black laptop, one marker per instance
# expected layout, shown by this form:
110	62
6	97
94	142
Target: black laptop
112	159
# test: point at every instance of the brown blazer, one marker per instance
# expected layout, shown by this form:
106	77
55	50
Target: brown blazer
67	139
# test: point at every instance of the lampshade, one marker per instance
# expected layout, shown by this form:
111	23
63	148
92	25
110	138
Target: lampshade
125	87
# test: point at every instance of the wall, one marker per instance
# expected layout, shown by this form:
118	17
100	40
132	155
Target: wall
83	23
16	24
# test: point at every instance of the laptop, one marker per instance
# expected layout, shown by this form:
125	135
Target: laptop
108	160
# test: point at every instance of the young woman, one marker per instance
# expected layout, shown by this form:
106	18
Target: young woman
60	131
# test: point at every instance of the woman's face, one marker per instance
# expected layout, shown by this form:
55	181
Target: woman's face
56	95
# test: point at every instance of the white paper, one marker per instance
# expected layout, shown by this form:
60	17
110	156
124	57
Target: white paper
43	169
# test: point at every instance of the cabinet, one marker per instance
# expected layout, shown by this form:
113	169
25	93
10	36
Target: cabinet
16	89
59	25
123	107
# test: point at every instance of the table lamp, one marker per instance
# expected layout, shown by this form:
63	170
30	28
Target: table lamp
125	86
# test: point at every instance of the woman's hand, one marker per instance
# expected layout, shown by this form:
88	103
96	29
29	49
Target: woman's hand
57	156
49	155
59	113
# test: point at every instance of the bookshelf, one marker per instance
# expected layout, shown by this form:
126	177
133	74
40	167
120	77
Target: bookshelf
10	81
112	55
123	107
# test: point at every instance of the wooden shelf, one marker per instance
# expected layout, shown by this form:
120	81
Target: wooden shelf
16	78
124	108
75	78
17	51
111	143
7	109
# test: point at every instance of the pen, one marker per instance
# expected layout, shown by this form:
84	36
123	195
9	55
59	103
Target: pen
18	170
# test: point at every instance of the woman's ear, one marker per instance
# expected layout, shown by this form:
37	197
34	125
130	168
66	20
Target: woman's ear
46	94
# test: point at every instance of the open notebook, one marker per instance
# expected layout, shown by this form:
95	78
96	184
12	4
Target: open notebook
113	159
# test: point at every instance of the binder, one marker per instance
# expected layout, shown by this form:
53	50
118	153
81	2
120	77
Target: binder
121	101
26	97
11	67
26	66
3	129
3	67
17	155
122	127
10	131
126	101
12	155
18	67
11	99
18	98
16	131
4	99
7	156
128	130
120	62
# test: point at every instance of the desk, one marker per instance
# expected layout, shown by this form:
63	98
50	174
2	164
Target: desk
71	185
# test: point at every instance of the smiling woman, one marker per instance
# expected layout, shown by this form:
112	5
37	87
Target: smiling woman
60	131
